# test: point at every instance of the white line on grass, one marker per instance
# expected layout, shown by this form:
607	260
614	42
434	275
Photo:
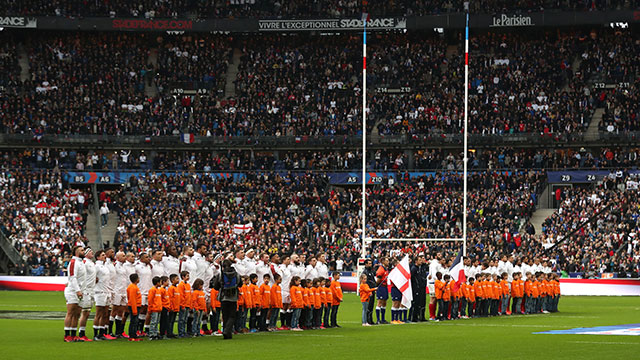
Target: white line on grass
605	342
302	335
441	323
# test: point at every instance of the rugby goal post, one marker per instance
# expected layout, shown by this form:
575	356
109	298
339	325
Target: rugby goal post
363	229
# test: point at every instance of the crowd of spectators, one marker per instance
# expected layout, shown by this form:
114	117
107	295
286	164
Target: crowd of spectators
150	9
606	243
41	218
309	86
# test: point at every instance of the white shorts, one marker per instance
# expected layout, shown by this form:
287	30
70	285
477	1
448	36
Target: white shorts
86	302
144	302
120	300
286	298
102	299
432	289
71	297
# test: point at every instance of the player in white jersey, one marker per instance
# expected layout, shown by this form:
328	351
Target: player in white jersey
143	269
323	269
284	271
187	263
263	268
250	262
110	262
157	266
311	272
208	275
199	257
73	293
170	262
120	293
88	290
434	267
103	277
239	263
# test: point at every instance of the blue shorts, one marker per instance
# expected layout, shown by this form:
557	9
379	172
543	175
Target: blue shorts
382	293
396	295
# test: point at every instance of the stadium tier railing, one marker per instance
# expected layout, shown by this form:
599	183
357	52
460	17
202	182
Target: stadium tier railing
353	141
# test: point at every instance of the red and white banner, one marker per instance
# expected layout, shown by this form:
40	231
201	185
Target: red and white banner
349	282
600	287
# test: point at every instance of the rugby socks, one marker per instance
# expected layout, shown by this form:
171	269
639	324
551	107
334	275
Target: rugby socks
119	327
382	311
67	331
378	313
394	314
141	318
432	311
81	331
73	332
404	314
111	319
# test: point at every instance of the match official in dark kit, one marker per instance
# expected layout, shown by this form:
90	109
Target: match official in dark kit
371	281
227	284
419	272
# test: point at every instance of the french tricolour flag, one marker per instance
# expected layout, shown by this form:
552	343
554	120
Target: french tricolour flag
400	276
457	272
187	138
365	17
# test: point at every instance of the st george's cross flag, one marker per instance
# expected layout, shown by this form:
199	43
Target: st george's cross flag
457	273
400	276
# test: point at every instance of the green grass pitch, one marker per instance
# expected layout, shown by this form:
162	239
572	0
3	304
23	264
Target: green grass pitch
507	337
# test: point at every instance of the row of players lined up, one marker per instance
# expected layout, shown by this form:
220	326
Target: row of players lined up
153	295
525	280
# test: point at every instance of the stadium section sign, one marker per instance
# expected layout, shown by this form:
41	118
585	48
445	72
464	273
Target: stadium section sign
331	24
18	22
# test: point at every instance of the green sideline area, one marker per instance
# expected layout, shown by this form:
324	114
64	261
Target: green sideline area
507	337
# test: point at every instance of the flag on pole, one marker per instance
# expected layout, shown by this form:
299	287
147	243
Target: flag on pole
187	138
457	273
400	276
365	17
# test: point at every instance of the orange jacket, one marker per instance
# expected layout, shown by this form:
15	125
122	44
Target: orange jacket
535	292
478	289
336	291
497	290
174	298
317	298
215	303
544	288
155	300
328	296
199	300
276	296
323	295
439	288
306	297
446	293
515	289
265	294
248	297
557	286
297	301
134	298
505	287
241	296
185	294
472	294
166	302
255	294
365	292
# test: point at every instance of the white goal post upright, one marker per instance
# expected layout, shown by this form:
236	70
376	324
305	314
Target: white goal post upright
463	239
